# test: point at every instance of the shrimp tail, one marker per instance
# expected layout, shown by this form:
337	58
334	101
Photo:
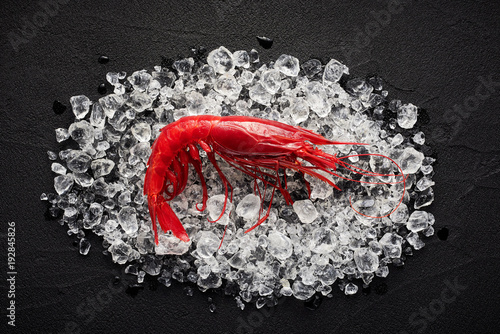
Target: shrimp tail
159	207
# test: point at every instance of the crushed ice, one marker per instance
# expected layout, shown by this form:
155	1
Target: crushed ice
300	250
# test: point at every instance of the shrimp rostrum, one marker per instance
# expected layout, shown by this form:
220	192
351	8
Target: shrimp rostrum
258	147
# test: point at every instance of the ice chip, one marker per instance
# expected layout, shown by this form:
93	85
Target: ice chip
61	134
414	240
271	80
248	207
334	71
80	105
122	252
83	179
97	116
411	160
152	265
323	240
311	67
110	104
424	183
221	60
305	210
241	59
207	244
140	80
78	161
407	116
215	205
84	246
366	260
350	289
259	94
184	66
127	218
58	168
425	198
280	246
139	101
141	150
238	260
287	65
63	183
299	110
418	221
102	167
419	138
82	132
317	99
227	85
391	245
195	102
302	291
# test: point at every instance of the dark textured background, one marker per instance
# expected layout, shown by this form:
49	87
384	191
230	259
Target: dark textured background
431	53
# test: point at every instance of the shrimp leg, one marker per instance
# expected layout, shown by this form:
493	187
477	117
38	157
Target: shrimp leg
195	160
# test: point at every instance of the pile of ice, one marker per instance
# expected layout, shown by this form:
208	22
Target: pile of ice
301	249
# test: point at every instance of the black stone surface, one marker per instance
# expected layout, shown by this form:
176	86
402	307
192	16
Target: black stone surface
440	55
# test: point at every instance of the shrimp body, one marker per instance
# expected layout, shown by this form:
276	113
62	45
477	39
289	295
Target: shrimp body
258	147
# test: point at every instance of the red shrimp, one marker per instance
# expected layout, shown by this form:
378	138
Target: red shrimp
258	147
